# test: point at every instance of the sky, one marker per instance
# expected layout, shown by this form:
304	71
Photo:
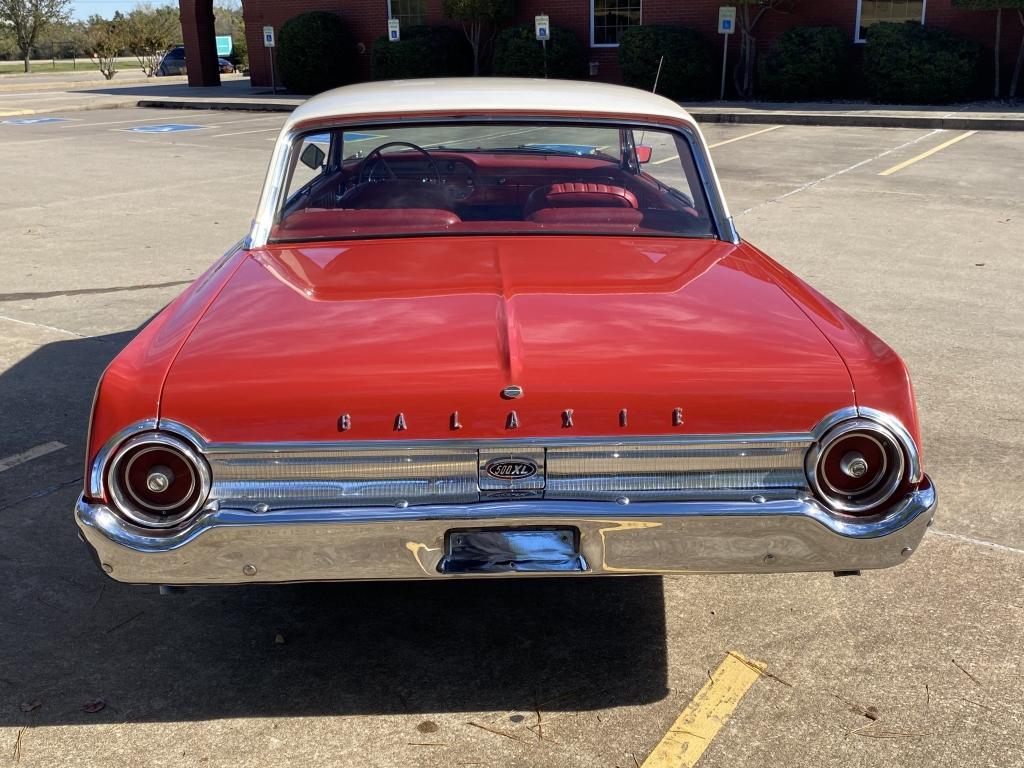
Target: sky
83	9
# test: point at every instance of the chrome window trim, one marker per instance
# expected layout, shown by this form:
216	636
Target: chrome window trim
274	186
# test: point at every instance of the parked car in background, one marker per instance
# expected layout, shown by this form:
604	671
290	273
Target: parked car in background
173	63
488	327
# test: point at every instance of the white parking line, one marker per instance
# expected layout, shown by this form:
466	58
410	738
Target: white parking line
243	133
829	177
165	118
31	453
723	143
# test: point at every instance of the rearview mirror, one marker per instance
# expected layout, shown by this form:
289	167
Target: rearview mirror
643	153
313	157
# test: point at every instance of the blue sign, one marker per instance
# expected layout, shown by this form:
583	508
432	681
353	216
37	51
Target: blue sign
726	23
165	128
35	120
352	137
572	149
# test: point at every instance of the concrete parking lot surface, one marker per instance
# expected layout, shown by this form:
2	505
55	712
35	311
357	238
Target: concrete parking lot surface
915	666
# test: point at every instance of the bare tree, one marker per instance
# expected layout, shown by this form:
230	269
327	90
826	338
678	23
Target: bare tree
998	6
106	41
478	16
749	13
28	18
148	34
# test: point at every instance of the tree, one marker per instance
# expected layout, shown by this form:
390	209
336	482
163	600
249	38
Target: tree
106	41
148	34
998	6
28	18
748	14
477	16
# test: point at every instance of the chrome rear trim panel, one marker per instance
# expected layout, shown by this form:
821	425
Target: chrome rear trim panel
229	546
386	474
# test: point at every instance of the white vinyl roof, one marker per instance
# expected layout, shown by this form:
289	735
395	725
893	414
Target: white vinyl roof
485	95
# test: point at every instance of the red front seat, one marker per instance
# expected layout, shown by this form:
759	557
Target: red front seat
578	195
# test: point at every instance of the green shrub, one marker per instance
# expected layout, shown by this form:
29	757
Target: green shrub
910	64
518	53
689	68
315	52
806	63
422	52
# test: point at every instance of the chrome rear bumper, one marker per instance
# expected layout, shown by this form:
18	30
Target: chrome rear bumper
233	546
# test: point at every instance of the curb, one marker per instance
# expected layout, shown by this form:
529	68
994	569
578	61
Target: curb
68	108
864	121
236	106
766	118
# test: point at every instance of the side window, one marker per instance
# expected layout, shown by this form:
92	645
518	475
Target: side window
874	11
610	18
310	161
408	12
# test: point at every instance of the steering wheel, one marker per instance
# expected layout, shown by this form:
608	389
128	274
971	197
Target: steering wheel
376	156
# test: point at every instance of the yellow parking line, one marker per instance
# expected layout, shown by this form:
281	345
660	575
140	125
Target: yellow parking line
923	155
744	136
722	143
706	713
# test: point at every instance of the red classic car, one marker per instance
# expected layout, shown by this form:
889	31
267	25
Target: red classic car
498	327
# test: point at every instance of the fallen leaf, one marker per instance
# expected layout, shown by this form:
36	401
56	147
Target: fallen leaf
28	706
94	705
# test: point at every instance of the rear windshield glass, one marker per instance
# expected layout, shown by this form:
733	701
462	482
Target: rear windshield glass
492	178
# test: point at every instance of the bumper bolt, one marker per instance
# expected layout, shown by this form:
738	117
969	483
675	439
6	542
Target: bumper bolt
249	570
108	568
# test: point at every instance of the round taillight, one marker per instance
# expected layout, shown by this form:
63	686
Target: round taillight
856	466
158	480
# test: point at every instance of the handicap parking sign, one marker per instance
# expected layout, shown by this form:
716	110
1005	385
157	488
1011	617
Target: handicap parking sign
35	120
165	128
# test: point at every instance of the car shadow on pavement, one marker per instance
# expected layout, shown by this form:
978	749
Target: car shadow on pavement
81	648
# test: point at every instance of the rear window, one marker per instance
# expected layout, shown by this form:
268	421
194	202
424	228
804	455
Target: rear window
492	178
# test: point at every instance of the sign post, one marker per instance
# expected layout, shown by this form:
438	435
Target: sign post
726	26
542	31
268	42
394	30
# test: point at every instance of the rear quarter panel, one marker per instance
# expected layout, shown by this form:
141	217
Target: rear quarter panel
129	390
880	377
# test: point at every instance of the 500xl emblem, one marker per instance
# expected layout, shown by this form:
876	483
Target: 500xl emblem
511	469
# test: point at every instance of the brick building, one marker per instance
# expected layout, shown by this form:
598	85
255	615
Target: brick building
597	23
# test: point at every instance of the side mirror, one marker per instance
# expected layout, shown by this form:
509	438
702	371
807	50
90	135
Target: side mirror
643	153
313	157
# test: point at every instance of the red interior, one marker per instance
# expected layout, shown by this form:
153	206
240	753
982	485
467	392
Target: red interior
486	192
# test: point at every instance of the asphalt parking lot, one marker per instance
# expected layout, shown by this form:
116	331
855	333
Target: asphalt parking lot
919	665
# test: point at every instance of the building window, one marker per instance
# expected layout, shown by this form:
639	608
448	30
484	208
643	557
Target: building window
408	12
873	11
610	18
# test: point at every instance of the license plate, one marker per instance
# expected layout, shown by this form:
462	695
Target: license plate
512	550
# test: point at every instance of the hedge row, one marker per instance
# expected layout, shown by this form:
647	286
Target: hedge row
902	63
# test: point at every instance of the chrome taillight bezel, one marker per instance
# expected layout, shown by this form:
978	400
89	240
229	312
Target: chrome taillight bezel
136	510
895	444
